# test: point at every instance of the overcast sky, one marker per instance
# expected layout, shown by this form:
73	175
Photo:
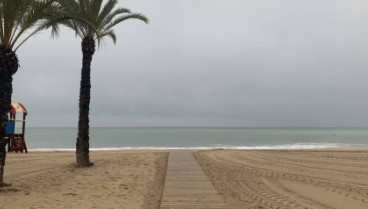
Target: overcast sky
209	63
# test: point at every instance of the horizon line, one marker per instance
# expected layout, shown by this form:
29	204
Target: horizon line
201	127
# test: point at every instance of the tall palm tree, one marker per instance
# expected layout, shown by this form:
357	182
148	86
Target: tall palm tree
101	21
19	20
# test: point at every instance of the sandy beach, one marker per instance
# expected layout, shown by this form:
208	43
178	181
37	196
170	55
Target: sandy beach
329	178
119	179
289	179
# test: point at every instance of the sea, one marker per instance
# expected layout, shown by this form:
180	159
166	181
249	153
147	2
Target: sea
120	138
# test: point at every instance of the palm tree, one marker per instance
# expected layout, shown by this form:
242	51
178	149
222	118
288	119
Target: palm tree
19	20
101	21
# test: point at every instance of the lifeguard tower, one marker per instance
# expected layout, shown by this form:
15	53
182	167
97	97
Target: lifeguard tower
16	141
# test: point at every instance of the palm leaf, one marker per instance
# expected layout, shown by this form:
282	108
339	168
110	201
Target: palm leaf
21	19
125	17
99	18
106	19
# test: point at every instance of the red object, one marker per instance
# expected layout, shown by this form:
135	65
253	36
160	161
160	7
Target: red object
16	149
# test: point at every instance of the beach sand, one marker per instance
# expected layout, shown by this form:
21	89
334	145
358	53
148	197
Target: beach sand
119	179
289	179
134	179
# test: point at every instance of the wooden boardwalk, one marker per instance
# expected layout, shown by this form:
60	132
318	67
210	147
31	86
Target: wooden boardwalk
186	185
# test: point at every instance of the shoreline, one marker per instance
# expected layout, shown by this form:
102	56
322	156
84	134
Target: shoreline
301	146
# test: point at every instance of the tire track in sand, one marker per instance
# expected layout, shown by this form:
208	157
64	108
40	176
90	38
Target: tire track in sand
284	179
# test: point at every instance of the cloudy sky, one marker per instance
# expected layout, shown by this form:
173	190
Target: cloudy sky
209	63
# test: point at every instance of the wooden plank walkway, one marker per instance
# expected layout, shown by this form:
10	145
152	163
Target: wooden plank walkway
186	185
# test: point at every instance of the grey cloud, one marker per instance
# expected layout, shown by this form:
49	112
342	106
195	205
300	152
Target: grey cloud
210	63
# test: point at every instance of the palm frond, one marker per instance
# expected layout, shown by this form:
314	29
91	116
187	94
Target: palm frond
125	17
96	19
21	19
37	13
109	17
95	7
106	10
110	34
25	39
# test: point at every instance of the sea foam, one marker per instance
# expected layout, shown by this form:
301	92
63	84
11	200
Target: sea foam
219	146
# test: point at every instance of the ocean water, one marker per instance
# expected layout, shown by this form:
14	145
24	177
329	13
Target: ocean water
195	138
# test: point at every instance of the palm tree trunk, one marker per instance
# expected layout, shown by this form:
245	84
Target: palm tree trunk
8	66
82	151
5	101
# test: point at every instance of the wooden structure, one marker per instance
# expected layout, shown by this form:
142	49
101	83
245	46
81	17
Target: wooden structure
186	185
16	141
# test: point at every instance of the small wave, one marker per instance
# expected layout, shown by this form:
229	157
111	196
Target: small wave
218	146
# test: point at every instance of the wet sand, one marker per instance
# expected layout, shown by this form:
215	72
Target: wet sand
119	179
289	178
